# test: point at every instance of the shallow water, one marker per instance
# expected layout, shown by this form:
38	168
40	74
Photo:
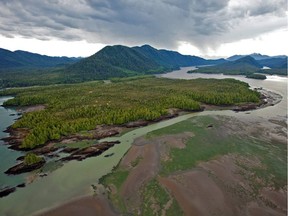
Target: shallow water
7	156
74	179
273	83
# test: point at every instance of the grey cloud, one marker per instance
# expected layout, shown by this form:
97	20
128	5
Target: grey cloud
163	23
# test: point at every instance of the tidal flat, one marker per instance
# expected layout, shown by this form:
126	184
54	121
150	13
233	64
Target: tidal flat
204	165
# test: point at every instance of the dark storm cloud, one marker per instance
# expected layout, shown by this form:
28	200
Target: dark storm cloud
205	23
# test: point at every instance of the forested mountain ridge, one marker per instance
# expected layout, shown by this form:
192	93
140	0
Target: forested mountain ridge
22	59
172	59
248	65
246	61
22	68
278	63
256	56
113	61
121	61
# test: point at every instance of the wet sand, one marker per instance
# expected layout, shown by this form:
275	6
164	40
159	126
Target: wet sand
87	206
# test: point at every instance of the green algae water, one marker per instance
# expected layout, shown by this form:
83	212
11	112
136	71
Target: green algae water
74	178
7	156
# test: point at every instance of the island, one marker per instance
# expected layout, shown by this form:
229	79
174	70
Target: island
256	76
71	118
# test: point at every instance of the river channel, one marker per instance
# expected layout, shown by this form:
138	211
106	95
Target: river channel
74	178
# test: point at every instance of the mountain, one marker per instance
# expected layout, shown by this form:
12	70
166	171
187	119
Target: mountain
113	61
244	65
277	63
22	59
256	56
122	61
22	68
248	65
172	59
246	61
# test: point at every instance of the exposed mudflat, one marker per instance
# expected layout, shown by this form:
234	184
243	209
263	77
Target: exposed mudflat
226	184
217	188
223	185
88	206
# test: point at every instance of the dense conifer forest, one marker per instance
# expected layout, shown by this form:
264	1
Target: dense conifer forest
79	107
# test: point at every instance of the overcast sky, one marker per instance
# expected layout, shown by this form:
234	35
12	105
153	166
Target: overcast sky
196	27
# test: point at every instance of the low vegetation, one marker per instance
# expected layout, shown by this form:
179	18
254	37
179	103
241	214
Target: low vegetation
155	199
209	143
114	181
31	159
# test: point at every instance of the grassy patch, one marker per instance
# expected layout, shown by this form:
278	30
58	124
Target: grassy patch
155	197
114	180
174	209
209	143
273	169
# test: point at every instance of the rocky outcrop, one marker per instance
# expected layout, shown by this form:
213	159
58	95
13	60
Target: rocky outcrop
103	131
45	150
69	150
139	123
16	137
22	167
6	191
109	155
90	151
21	185
246	107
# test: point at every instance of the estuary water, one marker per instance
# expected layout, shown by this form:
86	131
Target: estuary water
277	84
7	156
74	179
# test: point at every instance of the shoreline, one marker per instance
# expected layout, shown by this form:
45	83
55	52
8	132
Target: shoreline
61	208
16	136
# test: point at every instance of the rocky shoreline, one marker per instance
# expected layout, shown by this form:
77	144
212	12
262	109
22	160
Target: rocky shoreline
50	149
22	168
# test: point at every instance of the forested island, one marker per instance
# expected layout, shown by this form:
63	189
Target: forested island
74	108
94	110
257	76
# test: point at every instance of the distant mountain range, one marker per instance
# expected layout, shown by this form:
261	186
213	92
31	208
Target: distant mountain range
248	65
21	68
245	63
256	56
23	59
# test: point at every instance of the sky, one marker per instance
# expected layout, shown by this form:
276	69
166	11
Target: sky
207	28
